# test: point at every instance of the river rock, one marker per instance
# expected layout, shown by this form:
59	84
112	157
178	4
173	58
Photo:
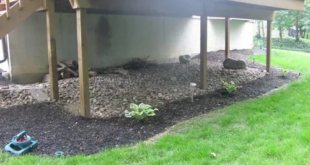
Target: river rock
185	59
231	63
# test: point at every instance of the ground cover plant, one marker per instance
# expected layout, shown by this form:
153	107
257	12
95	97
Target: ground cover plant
269	130
230	87
141	111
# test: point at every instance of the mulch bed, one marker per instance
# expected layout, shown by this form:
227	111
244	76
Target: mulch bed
55	129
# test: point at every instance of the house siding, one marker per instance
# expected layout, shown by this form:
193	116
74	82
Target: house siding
116	39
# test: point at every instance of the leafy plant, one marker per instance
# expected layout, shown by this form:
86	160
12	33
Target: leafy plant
284	72
230	87
141	111
254	59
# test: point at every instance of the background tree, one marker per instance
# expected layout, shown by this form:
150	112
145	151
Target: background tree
283	21
286	19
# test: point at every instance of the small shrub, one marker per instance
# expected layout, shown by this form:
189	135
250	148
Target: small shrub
230	87
254	59
284	72
140	112
286	44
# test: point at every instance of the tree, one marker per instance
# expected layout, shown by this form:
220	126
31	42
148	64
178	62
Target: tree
283	21
286	19
301	18
298	15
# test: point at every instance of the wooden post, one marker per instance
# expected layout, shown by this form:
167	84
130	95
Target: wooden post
21	4
227	37
203	51
82	42
268	59
7	7
51	45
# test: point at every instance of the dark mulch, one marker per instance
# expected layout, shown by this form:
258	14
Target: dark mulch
56	129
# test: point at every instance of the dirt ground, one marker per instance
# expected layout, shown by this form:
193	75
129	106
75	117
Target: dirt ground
56	129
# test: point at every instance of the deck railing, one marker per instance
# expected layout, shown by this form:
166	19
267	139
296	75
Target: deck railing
7	4
7	7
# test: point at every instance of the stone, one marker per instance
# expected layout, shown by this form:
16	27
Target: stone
231	63
185	59
173	79
38	95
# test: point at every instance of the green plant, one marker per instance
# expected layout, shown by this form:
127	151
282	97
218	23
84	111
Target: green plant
284	72
254	59
230	87
141	111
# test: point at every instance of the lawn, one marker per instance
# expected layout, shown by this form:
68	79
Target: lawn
297	61
269	130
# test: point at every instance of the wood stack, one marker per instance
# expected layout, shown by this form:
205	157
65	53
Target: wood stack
67	69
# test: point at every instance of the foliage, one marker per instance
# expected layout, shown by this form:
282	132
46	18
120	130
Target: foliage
289	43
284	72
300	20
230	87
140	112
286	44
283	21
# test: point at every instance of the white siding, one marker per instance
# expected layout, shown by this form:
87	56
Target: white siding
115	39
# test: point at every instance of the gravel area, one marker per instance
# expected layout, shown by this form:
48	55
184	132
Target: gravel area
56	129
156	85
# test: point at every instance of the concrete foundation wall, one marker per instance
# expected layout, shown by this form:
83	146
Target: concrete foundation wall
5	65
115	39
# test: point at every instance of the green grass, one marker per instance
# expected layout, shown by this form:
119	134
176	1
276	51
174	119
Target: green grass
297	61
270	130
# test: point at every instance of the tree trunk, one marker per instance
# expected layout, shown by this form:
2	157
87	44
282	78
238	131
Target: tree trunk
263	32
297	29
281	34
258	29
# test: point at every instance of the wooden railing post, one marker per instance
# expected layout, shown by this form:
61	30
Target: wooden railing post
21	5
7	6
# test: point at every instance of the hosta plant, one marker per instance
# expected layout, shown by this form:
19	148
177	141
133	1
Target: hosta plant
230	87
284	72
140	112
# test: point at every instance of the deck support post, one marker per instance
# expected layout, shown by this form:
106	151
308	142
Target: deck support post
82	44
227	37
51	45
203	50
268	48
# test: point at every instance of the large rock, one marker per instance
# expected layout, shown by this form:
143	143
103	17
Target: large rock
231	63
185	59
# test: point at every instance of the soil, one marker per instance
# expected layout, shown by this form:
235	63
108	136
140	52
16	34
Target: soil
57	130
